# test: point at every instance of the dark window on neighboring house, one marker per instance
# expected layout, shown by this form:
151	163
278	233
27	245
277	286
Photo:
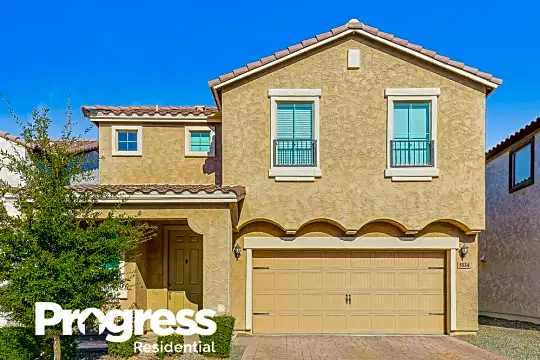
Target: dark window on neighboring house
522	166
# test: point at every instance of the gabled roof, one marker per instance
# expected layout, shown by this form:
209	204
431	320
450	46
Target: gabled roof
90	111
516	137
355	26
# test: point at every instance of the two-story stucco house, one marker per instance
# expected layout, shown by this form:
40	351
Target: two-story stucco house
510	247
329	191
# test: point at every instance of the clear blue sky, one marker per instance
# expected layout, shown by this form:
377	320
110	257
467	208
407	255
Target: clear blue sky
164	52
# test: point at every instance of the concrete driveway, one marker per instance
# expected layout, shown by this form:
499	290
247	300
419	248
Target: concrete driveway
319	347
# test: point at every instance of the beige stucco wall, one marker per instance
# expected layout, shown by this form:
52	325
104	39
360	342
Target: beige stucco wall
353	119
510	277
163	158
214	223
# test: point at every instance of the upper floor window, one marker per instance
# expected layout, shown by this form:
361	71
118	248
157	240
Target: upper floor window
295	134
522	166
411	145
200	141
412	134
294	144
127	140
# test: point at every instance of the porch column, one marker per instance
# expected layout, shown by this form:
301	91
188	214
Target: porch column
216	228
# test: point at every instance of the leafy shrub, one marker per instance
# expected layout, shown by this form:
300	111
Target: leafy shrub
221	338
124	349
18	343
174	339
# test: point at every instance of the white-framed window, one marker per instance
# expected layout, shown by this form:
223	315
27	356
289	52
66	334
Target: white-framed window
294	142
412	134
200	141
127	140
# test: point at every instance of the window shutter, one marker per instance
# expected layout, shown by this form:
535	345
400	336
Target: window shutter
285	121
303	124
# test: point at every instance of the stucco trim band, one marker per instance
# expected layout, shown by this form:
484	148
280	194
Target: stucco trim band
351	243
435	243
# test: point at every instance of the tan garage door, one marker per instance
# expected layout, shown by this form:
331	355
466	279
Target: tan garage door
391	292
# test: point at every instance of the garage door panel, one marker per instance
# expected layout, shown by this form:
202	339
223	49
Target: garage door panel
432	280
264	302
408	259
360	301
286	280
408	324
432	324
335	259
334	280
431	302
309	280
383	280
407	302
335	323
359	323
391	292
383	302
383	324
360	280
310	323
408	280
334	301
383	259
264	281
360	259
433	259
312	301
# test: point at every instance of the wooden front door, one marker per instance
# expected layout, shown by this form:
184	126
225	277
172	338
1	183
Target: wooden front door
185	270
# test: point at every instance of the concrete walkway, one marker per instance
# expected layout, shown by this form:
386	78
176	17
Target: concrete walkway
315	347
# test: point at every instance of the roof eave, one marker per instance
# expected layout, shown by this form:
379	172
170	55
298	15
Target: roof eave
490	85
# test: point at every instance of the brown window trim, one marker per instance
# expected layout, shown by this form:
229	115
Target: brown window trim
524	184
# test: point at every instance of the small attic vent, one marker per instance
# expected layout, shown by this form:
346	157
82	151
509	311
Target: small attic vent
353	59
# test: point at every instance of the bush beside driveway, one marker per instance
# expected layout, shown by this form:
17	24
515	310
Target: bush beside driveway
515	340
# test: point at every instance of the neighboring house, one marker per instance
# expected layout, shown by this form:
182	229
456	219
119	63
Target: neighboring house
330	190
510	246
15	145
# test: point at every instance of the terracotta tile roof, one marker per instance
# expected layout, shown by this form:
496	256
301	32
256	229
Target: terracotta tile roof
11	137
88	111
519	135
239	191
353	25
82	146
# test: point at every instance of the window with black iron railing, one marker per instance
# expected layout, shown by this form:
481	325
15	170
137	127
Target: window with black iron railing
411	153
289	152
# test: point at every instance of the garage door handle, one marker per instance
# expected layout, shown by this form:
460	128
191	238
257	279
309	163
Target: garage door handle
436	267
347	299
261	267
439	313
261	313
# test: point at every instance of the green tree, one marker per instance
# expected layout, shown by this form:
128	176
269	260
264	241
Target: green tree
57	248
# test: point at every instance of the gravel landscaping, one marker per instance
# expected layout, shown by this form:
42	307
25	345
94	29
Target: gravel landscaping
515	340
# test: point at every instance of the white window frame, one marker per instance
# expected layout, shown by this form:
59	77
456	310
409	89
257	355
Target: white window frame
294	173
114	136
211	130
403	95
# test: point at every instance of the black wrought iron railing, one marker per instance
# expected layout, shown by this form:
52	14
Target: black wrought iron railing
295	152
411	153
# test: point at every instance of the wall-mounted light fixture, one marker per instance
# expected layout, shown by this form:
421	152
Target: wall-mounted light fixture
237	251
463	251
